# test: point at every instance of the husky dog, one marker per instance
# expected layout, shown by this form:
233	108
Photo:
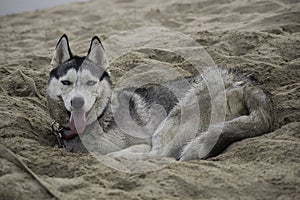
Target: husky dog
80	100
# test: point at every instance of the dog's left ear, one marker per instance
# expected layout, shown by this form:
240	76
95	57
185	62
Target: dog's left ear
96	53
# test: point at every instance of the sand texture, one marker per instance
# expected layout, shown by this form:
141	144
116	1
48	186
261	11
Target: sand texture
260	37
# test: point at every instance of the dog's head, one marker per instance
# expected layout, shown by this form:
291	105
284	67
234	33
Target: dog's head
79	88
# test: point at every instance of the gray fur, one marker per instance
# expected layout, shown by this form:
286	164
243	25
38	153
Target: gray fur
249	113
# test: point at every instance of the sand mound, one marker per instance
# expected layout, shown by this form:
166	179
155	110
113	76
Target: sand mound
261	37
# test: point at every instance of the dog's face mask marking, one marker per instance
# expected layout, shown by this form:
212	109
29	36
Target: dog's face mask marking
78	81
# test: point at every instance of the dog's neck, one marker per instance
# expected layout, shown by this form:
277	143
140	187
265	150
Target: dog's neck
106	117
102	107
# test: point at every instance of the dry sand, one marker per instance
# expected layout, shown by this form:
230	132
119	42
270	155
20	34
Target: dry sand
261	37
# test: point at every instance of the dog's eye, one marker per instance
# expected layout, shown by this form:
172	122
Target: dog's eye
91	83
66	82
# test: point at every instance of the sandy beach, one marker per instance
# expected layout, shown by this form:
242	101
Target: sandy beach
258	37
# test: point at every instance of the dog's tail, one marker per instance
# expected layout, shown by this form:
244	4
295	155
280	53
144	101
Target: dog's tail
260	120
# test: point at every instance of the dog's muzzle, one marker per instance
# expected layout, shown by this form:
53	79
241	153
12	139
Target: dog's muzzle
78	116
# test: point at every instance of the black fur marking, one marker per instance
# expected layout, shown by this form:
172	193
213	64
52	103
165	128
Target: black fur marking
158	94
104	74
75	63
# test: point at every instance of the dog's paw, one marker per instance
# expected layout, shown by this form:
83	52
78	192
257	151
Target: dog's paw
135	152
196	148
191	150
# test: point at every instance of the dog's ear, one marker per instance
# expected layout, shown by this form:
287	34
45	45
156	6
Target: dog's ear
62	52
96	53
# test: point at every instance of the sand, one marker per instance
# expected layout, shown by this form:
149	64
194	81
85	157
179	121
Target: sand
261	37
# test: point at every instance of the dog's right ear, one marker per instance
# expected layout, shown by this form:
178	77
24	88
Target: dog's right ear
62	52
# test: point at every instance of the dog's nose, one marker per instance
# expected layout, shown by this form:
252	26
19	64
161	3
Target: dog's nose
77	103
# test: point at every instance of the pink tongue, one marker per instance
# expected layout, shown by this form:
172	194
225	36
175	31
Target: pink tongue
77	122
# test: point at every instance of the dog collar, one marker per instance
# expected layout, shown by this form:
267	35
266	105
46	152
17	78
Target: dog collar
62	133
67	134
